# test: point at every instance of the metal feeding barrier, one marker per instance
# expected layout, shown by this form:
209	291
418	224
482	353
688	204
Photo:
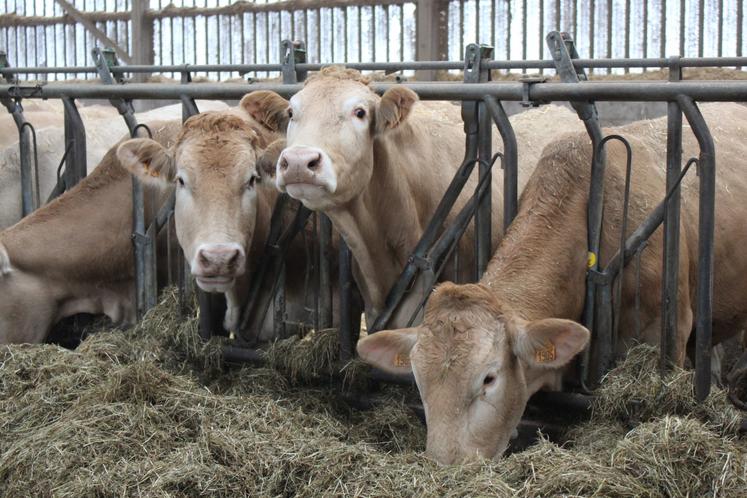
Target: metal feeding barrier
481	108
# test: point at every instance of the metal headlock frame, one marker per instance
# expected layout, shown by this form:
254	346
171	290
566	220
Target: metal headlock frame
484	99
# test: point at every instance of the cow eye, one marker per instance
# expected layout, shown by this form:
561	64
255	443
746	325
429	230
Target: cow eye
489	380
252	182
290	113
360	113
180	181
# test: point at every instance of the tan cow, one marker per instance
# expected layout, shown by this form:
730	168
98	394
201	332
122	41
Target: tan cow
103	125
223	200
53	267
485	348
378	167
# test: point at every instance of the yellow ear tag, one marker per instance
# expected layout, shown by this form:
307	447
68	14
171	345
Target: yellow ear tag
546	354
591	260
401	360
154	174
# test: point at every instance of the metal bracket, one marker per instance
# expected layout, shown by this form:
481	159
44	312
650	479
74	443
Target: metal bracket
563	52
292	53
105	59
189	106
526	85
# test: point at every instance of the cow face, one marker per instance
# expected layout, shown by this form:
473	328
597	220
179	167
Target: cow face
475	367
216	164
332	126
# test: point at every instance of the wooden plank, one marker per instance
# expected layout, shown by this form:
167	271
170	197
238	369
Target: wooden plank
142	36
430	34
96	32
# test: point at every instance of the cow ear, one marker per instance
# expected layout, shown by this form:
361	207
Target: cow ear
268	159
389	350
148	160
394	107
268	109
549	343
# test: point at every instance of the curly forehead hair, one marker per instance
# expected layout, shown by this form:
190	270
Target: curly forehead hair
338	73
214	122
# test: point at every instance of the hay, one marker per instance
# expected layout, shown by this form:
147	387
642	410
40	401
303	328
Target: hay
634	392
152	411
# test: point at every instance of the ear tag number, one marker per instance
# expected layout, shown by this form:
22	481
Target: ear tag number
401	360
546	354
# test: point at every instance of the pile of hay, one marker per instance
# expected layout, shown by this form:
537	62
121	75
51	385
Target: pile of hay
154	412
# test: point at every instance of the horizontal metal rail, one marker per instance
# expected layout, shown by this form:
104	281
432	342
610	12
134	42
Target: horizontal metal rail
658	62
709	91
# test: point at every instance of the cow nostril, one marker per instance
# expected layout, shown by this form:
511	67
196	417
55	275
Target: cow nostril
314	163
234	258
283	163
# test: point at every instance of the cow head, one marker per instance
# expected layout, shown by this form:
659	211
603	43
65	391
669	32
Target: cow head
475	365
333	123
218	163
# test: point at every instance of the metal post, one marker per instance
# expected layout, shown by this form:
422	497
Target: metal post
671	226
189	107
430	29
325	272
706	225
292	53
510	160
28	199
347	335
75	139
474	72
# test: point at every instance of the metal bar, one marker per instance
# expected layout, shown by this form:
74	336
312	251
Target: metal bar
510	160
347	317
701	23
325	272
682	27
710	91
720	35
671	227
659	62
75	134
706	223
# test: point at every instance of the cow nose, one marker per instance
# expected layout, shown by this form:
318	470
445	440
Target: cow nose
300	158
214	260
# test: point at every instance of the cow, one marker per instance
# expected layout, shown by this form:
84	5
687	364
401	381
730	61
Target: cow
484	349
103	128
224	200
378	167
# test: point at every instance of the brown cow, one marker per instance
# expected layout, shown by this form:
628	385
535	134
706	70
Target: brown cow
484	348
75	254
378	166
223	204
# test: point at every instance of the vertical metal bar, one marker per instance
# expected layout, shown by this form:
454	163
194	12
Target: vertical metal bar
701	23
509	18
279	314
671	226
557	15
720	49
477	22
663	29
402	32
510	160
483	213
461	26
592	21
325	272
628	27
493	41
360	36
347	327
345	27
373	33
524	30
645	32
740	20
682	28
609	32
319	34
75	133
387	35
706	223
541	32
575	19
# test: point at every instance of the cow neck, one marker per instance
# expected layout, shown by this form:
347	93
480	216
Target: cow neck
381	226
539	269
